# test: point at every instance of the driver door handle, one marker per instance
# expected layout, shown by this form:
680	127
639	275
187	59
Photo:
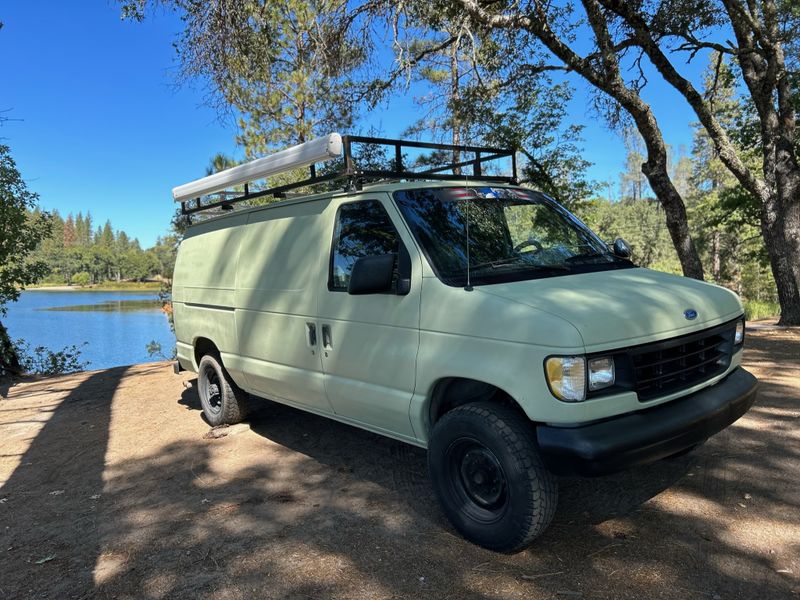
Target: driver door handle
327	341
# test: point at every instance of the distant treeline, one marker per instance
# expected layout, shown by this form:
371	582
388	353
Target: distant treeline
79	253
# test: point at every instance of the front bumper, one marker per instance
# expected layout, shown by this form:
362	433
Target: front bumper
647	435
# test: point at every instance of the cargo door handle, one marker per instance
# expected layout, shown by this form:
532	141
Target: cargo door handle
311	332
327	342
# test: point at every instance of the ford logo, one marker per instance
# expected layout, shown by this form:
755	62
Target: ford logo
690	314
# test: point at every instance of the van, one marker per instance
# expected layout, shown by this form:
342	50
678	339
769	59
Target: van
464	314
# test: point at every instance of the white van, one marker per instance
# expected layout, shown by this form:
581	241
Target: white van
460	313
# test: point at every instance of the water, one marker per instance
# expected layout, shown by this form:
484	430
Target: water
117	326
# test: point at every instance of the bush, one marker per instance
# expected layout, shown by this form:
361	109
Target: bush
757	309
82	278
53	279
154	350
43	361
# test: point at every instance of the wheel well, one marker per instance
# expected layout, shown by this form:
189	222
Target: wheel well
451	392
203	346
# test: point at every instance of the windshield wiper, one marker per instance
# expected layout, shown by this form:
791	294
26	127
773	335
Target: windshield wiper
586	256
520	265
500	262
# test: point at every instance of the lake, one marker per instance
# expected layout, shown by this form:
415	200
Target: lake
117	326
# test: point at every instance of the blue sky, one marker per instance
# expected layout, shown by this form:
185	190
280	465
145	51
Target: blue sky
102	125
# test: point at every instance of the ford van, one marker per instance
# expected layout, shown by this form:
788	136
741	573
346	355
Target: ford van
464	314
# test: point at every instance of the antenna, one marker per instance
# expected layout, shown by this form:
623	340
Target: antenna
468	287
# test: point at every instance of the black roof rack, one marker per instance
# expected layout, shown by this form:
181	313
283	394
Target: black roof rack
354	176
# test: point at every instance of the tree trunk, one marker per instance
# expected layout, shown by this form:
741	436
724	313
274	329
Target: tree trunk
9	361
715	262
604	73
780	227
677	220
760	56
657	173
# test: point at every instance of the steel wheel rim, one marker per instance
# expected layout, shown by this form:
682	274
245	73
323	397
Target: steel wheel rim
477	480
212	390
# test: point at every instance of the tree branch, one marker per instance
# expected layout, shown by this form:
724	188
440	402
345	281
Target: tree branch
380	86
727	152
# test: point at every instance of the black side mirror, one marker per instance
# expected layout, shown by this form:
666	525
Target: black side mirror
372	275
621	248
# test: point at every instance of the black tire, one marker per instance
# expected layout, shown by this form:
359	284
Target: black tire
489	477
224	402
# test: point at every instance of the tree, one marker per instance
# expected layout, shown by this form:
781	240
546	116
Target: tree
762	31
20	234
220	162
105	236
555	27
282	66
477	91
641	223
724	215
632	183
70	237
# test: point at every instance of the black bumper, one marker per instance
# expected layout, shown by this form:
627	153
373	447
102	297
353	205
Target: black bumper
647	435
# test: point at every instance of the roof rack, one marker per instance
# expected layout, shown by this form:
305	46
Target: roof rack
331	147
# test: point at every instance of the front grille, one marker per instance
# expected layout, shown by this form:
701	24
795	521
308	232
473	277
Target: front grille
662	368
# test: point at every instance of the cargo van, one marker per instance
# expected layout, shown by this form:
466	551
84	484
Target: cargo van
452	309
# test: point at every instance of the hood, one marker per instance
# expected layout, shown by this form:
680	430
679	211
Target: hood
624	307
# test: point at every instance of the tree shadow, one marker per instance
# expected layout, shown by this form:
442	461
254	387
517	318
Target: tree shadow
49	537
312	508
610	520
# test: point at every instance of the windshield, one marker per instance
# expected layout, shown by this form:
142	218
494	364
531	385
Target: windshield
513	234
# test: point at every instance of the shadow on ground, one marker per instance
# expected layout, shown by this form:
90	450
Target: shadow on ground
310	508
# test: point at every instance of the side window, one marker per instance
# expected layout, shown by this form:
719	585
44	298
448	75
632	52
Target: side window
362	229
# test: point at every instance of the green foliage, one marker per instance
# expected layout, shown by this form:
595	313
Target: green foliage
756	309
529	113
483	88
725	218
43	361
641	223
22	229
76	254
155	350
281	66
82	278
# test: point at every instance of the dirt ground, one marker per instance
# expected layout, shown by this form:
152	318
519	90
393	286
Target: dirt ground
110	487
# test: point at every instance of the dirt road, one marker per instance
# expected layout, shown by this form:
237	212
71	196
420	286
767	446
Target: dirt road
110	488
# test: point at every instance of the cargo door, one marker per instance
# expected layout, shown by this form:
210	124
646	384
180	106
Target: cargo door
276	302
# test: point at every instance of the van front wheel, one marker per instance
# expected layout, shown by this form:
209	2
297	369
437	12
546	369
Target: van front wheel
224	402
489	477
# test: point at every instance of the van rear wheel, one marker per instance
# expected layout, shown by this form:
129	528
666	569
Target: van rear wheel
224	402
489	477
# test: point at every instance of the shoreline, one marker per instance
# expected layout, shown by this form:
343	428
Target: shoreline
144	287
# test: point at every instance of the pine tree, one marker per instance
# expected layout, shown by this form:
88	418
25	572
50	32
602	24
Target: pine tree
70	237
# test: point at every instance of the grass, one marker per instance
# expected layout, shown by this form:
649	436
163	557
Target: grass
106	286
127	285
758	309
111	306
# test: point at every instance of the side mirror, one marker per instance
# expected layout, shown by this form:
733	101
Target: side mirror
621	248
372	275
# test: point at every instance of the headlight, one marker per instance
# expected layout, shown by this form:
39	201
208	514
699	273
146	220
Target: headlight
738	337
566	376
601	373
